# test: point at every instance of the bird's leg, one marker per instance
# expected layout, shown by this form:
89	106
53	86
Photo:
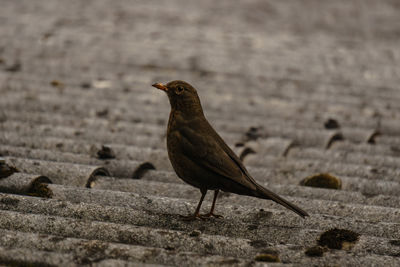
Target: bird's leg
197	212
211	213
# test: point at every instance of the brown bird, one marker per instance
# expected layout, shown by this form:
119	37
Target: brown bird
201	158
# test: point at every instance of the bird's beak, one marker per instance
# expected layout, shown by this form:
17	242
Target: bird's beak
160	86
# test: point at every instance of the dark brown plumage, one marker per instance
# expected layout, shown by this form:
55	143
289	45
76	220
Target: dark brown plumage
201	158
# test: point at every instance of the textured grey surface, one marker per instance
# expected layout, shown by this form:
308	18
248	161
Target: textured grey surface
296	88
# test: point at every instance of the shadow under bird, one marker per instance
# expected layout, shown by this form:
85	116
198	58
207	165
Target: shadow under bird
201	158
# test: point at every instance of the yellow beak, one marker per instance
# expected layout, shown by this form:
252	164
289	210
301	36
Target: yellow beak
160	86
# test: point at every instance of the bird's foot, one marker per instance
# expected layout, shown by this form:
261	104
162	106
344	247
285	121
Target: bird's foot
211	214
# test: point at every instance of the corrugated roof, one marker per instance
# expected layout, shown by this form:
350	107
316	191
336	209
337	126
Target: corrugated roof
305	92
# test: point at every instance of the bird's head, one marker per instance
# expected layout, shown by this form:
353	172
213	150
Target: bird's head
182	96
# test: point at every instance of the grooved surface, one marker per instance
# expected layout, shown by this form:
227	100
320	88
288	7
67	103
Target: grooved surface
295	88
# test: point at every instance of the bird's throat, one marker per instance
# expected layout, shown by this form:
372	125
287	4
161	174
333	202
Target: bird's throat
177	118
188	108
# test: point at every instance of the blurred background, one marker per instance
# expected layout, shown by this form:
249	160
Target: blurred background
265	56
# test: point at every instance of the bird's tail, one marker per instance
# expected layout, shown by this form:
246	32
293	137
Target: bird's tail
266	194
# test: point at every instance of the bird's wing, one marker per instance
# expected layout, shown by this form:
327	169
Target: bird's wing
231	154
208	151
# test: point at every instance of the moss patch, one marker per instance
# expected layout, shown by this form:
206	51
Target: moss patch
267	258
322	180
195	233
6	170
40	190
56	83
142	169
105	153
331	124
245	152
338	238
253	133
316	251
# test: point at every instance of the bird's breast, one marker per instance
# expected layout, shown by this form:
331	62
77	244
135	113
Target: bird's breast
173	141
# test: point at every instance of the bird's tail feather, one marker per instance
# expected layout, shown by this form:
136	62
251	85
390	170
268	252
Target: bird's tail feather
267	194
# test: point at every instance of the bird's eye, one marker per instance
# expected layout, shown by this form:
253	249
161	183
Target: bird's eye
179	90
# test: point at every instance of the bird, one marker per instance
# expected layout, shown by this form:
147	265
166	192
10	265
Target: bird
201	158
